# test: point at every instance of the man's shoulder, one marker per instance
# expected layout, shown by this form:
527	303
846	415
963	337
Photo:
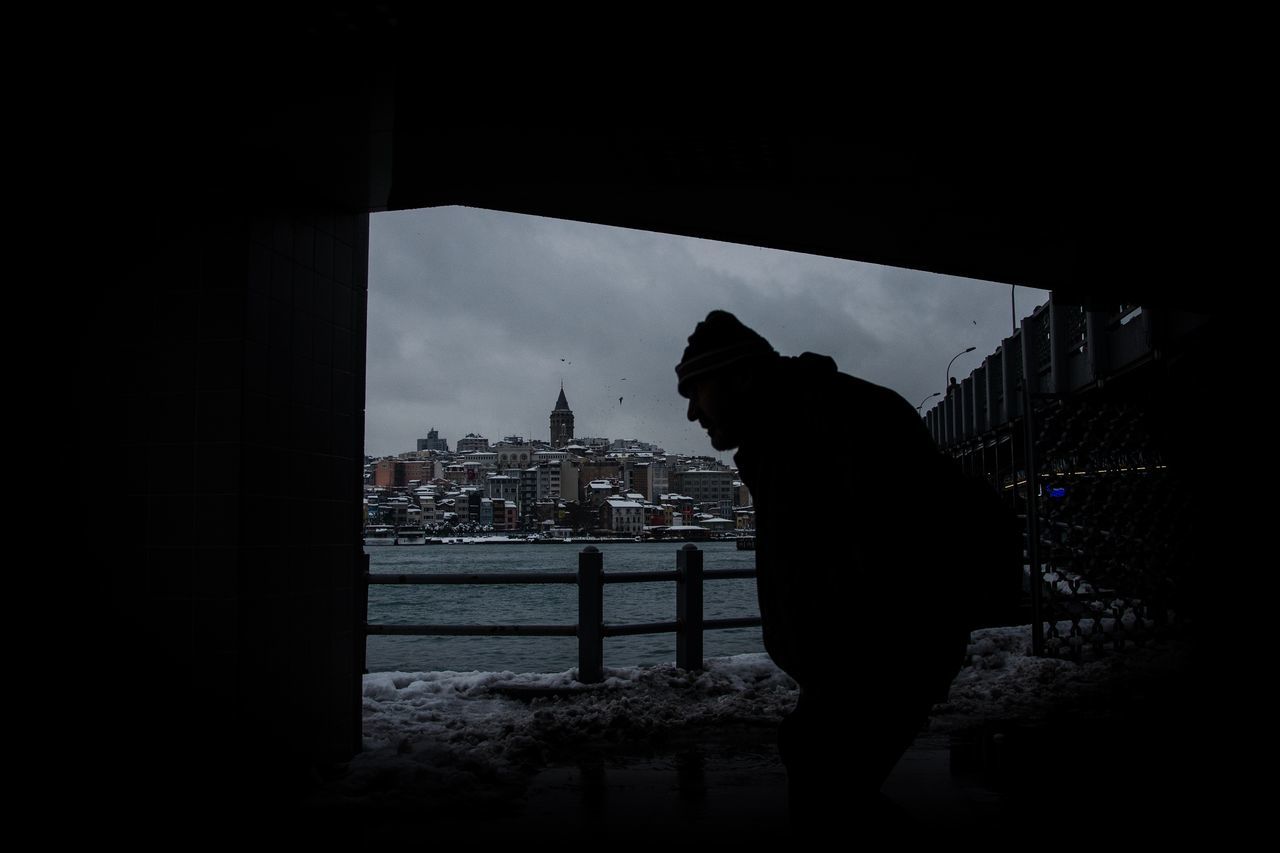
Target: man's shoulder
810	370
833	403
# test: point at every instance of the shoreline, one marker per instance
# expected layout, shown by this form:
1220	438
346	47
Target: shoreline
493	540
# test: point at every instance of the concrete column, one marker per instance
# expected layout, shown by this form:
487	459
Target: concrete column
1010	348
237	394
1098	349
1058	374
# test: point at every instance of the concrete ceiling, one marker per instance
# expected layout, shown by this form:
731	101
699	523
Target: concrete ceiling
1106	211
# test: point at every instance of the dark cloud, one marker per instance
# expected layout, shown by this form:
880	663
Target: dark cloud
475	318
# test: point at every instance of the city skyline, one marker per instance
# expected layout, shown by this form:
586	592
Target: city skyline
477	316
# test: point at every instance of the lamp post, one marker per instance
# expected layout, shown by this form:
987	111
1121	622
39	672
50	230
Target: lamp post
953	361
927	399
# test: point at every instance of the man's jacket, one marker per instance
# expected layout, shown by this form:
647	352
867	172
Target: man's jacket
874	554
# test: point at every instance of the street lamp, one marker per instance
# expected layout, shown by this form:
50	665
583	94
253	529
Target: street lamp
927	399
953	361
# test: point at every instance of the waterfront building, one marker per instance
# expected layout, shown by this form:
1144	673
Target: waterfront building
633	445
487	458
594	446
505	516
446	510
638	479
384	473
602	469
433	441
658	481
471	503
687	533
715	524
707	487
622	517
697	463
569	480
428	507
528	493
547	511
513	452
474	473
645	473
659	515
466	505
598	490
558	479
503	487
391	473
471	443
682	505
395	511
630	469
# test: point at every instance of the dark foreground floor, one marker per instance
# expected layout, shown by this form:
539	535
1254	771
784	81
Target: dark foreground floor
1008	782
1101	780
1151	761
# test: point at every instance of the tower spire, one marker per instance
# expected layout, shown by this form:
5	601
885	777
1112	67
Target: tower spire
561	421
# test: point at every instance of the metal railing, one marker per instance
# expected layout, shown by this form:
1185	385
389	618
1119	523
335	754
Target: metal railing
590	629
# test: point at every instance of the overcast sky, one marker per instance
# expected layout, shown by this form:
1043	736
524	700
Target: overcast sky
476	316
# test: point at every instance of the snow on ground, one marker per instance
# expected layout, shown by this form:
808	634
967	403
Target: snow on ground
402	707
452	731
1004	682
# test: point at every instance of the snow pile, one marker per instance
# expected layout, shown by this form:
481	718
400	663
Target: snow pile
496	710
1004	682
460	733
456	730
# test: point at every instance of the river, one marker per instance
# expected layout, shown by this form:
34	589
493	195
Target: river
544	604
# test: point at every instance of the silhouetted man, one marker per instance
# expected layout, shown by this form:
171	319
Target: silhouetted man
865	552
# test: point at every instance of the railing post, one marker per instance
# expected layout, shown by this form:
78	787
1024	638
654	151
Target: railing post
590	615
689	607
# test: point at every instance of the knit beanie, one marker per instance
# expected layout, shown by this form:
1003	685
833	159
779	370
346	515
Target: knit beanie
719	342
